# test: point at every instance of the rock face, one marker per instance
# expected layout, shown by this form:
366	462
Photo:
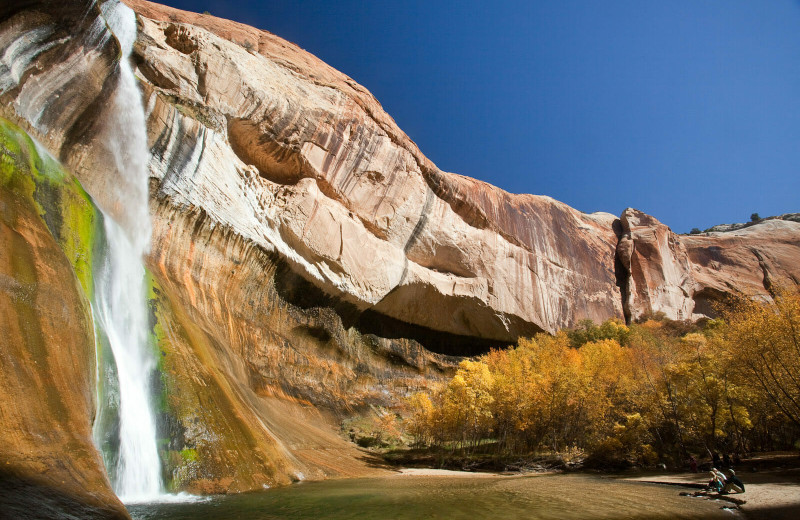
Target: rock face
682	276
308	260
47	350
255	363
300	160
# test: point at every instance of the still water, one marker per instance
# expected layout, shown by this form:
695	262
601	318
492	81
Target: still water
417	497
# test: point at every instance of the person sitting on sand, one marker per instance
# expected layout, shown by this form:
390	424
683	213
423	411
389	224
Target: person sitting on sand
732	483
717	482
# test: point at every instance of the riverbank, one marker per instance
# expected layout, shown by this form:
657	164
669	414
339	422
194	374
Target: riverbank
447	494
772	480
773	495
486	461
770	495
772	485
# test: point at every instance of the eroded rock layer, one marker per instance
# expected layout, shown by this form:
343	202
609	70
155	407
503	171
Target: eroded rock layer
302	161
255	362
48	461
296	158
683	276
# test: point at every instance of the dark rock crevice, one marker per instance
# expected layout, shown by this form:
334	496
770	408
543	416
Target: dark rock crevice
622	259
768	284
421	222
298	291
707	300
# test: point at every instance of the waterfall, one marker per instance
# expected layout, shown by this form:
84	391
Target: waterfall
120	302
122	314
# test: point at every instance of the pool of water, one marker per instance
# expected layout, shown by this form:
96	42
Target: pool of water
418	497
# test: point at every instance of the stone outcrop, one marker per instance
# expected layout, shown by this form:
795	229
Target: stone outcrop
683	276
47	349
719	228
255	363
756	261
250	127
308	261
298	159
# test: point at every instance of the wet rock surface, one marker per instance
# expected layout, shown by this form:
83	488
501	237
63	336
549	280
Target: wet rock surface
48	461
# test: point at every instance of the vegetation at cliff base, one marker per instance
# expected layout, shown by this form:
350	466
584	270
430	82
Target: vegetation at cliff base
656	391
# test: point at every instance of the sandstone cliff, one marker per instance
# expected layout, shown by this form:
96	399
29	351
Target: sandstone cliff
307	258
47	350
682	276
334	176
300	160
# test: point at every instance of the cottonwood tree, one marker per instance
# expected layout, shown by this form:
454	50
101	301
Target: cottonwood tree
763	342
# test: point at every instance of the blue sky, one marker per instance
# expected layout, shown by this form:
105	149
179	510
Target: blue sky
688	110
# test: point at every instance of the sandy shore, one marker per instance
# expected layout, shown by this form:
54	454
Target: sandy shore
430	472
773	494
772	484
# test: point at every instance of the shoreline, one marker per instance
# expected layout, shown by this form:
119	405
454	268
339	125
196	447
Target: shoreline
770	494
433	472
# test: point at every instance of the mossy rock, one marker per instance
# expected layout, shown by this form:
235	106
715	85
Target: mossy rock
71	216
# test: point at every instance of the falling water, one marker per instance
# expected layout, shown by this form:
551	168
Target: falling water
120	291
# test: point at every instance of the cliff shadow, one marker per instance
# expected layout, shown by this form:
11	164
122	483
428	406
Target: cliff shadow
299	292
26	498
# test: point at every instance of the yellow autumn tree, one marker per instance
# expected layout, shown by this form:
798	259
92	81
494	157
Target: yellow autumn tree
421	418
763	343
706	395
654	353
516	399
556	390
608	373
466	404
671	390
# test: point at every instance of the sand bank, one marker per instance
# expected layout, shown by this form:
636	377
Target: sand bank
773	494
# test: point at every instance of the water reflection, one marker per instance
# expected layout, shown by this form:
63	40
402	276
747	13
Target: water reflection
407	497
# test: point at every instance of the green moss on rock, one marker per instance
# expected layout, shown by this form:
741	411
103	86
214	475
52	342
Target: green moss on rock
68	211
206	444
189	454
31	177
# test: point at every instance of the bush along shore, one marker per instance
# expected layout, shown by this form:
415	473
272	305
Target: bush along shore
655	394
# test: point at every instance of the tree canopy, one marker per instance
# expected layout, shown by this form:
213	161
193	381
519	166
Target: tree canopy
656	390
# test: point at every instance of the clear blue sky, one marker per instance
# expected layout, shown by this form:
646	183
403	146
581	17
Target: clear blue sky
686	109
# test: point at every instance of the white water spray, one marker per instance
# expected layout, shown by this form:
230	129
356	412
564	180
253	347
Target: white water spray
120	290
